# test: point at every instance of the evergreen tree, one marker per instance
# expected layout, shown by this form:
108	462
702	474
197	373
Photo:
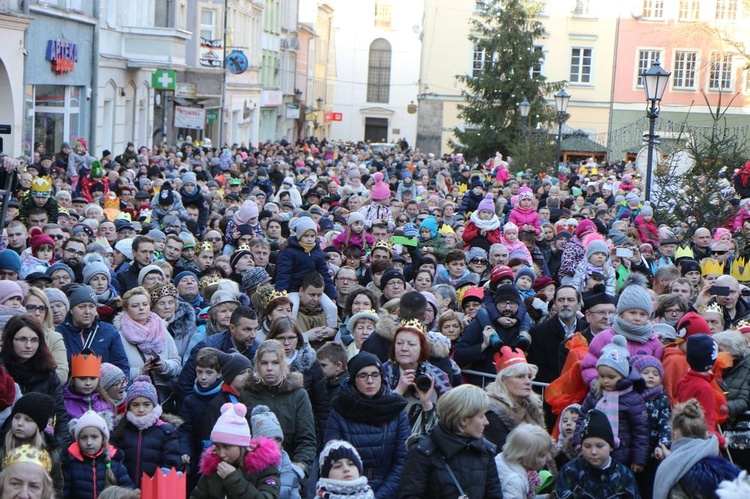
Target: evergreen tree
503	31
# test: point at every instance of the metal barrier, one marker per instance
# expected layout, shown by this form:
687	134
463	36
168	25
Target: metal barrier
489	378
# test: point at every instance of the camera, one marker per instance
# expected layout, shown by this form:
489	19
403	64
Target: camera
495	342
421	379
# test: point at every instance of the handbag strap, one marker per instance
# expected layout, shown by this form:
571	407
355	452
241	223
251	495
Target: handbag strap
453	477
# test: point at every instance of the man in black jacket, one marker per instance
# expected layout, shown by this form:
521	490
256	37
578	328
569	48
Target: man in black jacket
143	255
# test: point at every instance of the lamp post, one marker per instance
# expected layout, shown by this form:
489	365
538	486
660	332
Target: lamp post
654	83
562	98
524	107
319	101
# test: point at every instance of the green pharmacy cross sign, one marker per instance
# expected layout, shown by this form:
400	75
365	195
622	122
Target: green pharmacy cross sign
163	79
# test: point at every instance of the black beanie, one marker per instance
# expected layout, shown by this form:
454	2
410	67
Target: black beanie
362	359
596	425
38	406
507	292
231	364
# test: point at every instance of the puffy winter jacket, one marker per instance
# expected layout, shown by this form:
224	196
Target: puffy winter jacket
84	475
651	347
737	382
525	216
306	362
578	479
105	342
378	428
147	450
294	263
77	404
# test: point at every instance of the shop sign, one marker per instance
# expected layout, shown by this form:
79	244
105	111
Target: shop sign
189	117
211	53
334	116
63	55
212	115
292	111
185	90
164	79
271	98
237	62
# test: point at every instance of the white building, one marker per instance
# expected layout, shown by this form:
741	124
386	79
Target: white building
378	51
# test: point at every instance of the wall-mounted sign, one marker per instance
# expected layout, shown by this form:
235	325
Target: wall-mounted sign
63	55
164	79
237	62
189	117
334	116
292	111
211	53
271	98
185	90
212	115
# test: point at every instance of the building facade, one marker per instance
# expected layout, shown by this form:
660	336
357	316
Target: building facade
13	25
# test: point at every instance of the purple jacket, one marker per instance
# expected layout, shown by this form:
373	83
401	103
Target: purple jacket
652	347
76	404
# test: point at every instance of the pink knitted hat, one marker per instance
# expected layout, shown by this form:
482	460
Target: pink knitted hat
380	190
231	428
487	204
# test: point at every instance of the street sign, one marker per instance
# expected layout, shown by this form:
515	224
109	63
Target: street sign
186	90
334	116
163	79
212	115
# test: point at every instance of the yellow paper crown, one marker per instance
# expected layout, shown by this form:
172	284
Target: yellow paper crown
204	246
85	365
275	295
27	454
412	324
209	280
712	307
683	252
383	244
711	266
740	270
241	247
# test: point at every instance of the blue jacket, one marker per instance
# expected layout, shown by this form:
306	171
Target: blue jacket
294	263
84	476
191	413
148	450
378	428
105	343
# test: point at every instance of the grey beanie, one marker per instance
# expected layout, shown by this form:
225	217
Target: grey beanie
82	294
55	295
615	355
646	209
147	270
634	295
596	246
157	235
60	266
475	252
95	268
189	178
265	423
254	277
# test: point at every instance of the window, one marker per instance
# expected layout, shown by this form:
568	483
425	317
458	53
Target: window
726	10
690	10
382	14
646	58
480	60
720	77
379	71
580	65
685	63
653	9
53	115
536	71
583	8
208	24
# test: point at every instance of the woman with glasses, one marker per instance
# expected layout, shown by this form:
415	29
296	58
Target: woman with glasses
38	307
370	416
670	309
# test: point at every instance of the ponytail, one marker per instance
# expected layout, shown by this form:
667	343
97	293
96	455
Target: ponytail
109	476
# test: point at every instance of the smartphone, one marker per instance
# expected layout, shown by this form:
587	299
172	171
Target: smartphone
719	290
624	253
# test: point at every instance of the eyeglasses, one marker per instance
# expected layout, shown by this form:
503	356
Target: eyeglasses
57	236
601	313
286	339
34	309
74	252
213	239
24	340
480	261
365	376
674	311
507	304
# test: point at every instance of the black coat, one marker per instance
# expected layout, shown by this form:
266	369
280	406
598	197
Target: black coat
472	461
147	450
547	350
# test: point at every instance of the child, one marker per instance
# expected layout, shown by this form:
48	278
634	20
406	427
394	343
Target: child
28	420
596	260
41	254
114	382
471	199
631	322
646	227
567	428
510	240
265	424
96	274
354	234
333	359
91	463
235	368
147	442
84	391
454	268
615	394
594	473
483	228
525	452
341	472
207	385
523	214
659	415
524	282
430	241
237	466
702	352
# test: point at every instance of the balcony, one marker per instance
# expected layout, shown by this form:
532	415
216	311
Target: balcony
146	47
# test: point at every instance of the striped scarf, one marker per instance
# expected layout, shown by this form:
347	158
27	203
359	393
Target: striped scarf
609	404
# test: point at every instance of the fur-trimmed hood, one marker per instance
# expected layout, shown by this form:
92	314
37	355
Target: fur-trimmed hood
265	452
291	382
304	360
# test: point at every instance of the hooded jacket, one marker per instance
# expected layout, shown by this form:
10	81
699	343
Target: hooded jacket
651	347
84	475
294	263
525	216
258	478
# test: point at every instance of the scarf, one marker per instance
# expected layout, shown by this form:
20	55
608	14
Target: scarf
144	422
639	334
328	488
150	339
307	247
209	391
652	393
609	404
534	482
529	293
491	224
105	297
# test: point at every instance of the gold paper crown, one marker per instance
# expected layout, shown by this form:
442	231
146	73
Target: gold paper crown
712	307
711	266
383	244
242	247
85	365
743	326
412	324
683	252
209	280
27	454
740	270
204	246
274	295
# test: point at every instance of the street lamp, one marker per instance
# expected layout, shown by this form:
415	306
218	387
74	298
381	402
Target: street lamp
319	100
562	98
524	107
654	83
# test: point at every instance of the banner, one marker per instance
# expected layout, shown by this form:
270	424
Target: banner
189	117
211	53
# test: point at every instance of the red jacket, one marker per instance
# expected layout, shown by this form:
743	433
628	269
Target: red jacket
698	386
471	232
647	231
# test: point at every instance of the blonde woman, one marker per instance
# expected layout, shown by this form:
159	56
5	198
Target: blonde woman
37	306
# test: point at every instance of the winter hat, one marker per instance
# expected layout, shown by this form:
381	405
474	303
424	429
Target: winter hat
507	292
526	271
487	204
632	199
391	273
231	428
646	209
253	278
525	193
8	290
189	178
641	362
476	252
625	214
542	282
81	293
55	295
302	225
9	260
157	235
702	351
665	332
38	406
510	226
60	266
476	183
361	360
615	355
363	314
689	325
109	375
596	246
585	227
38	239
141	387
166	197
88	419
335	450
380	190
147	270
689	265
265	423
596	425
431	224
634	295
183	274
232	364
353	217
95	268
410	230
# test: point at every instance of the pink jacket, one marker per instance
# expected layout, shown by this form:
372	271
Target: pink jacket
340	241
518	245
652	347
647	231
521	217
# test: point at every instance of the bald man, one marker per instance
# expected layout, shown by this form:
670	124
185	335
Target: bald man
701	244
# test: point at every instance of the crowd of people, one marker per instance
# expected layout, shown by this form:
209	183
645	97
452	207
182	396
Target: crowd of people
317	319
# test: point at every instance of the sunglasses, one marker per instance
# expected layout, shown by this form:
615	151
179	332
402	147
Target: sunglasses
480	261
719	252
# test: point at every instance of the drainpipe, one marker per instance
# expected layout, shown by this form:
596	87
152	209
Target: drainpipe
92	106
